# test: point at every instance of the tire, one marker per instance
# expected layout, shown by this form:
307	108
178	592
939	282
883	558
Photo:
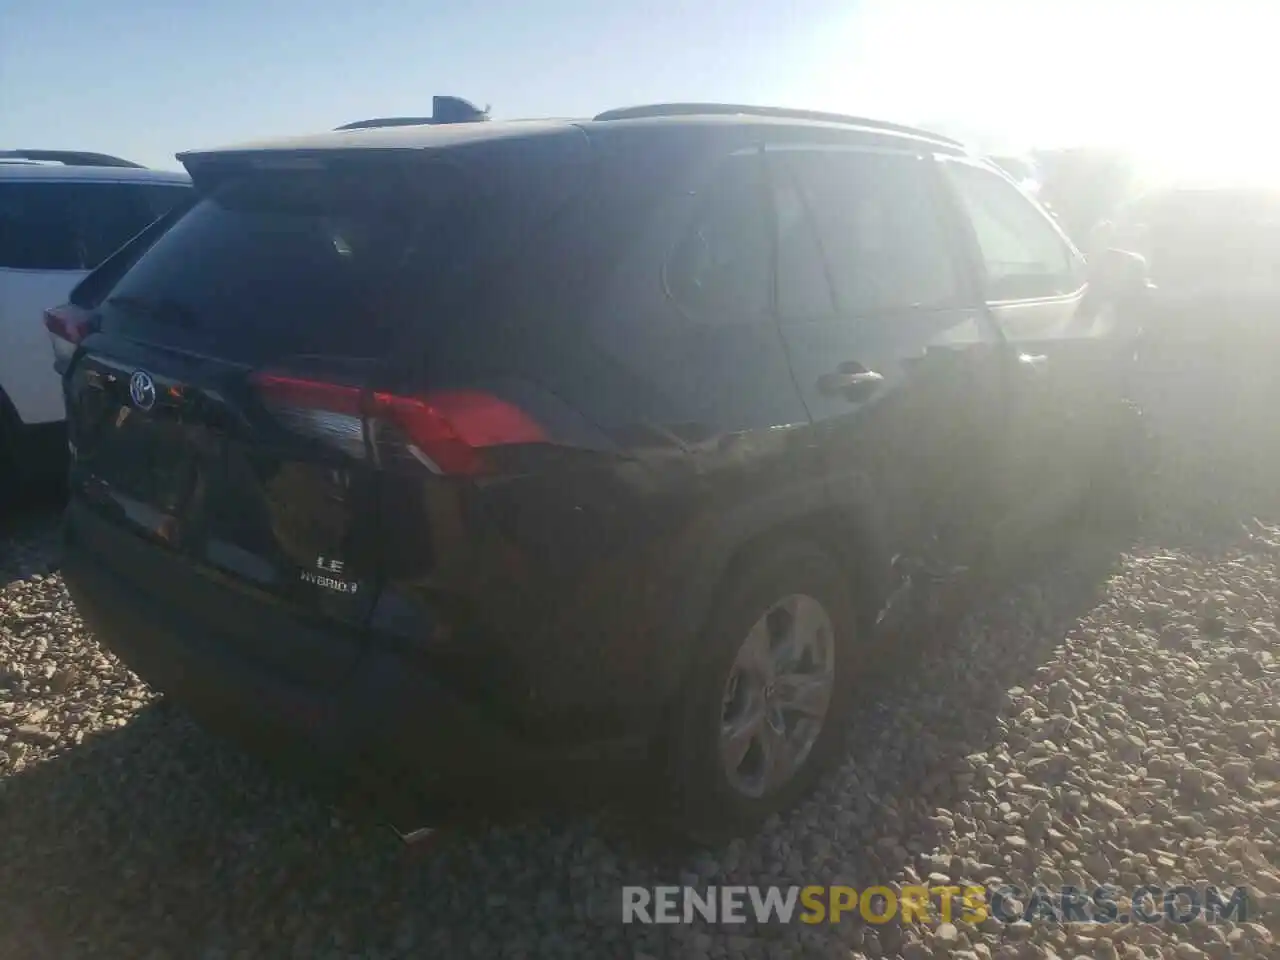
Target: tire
711	804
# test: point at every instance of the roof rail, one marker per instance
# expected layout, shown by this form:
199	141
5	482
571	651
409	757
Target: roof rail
443	110
730	109
76	158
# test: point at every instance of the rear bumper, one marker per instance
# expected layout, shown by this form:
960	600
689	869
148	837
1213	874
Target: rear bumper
384	732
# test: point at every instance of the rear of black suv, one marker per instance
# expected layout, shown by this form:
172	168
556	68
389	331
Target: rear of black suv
349	480
270	504
419	458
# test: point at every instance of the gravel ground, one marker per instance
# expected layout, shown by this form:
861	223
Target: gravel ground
1112	717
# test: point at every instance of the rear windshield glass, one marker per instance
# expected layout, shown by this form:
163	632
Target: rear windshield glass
319	261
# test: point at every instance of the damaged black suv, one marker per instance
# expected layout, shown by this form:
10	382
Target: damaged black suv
417	455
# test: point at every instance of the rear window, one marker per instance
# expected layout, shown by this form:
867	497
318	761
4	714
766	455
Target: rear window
314	261
65	225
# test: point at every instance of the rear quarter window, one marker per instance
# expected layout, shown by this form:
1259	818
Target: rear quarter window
881	235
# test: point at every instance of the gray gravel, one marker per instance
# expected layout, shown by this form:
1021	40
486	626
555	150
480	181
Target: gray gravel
1115	716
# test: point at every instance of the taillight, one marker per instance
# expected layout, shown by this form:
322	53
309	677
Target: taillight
446	431
330	412
67	326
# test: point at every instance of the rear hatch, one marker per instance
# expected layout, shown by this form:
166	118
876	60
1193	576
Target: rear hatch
242	400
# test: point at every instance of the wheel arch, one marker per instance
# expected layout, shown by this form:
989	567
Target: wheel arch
847	527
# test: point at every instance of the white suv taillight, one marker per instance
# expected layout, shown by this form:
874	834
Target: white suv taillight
67	326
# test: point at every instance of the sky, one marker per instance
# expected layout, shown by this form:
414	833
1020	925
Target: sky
144	79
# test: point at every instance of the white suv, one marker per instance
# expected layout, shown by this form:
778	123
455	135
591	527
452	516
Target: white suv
61	214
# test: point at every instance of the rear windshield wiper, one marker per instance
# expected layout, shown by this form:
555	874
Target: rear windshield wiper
163	309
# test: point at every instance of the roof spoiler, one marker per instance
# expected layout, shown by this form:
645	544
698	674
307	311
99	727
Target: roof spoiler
443	110
74	158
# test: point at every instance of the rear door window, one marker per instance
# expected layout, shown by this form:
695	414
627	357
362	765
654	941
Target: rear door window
37	227
804	289
69	225
319	261
885	245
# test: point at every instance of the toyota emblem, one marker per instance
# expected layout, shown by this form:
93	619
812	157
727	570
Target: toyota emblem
142	390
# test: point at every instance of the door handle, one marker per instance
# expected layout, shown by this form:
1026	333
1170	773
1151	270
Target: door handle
1036	362
851	384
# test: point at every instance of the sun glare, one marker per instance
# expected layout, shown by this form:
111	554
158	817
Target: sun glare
1184	87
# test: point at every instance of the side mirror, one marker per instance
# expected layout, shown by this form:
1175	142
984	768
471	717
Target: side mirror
1119	275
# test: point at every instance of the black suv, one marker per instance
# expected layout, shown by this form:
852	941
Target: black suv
421	455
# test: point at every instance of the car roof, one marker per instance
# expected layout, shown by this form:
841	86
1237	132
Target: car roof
22	170
427	136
